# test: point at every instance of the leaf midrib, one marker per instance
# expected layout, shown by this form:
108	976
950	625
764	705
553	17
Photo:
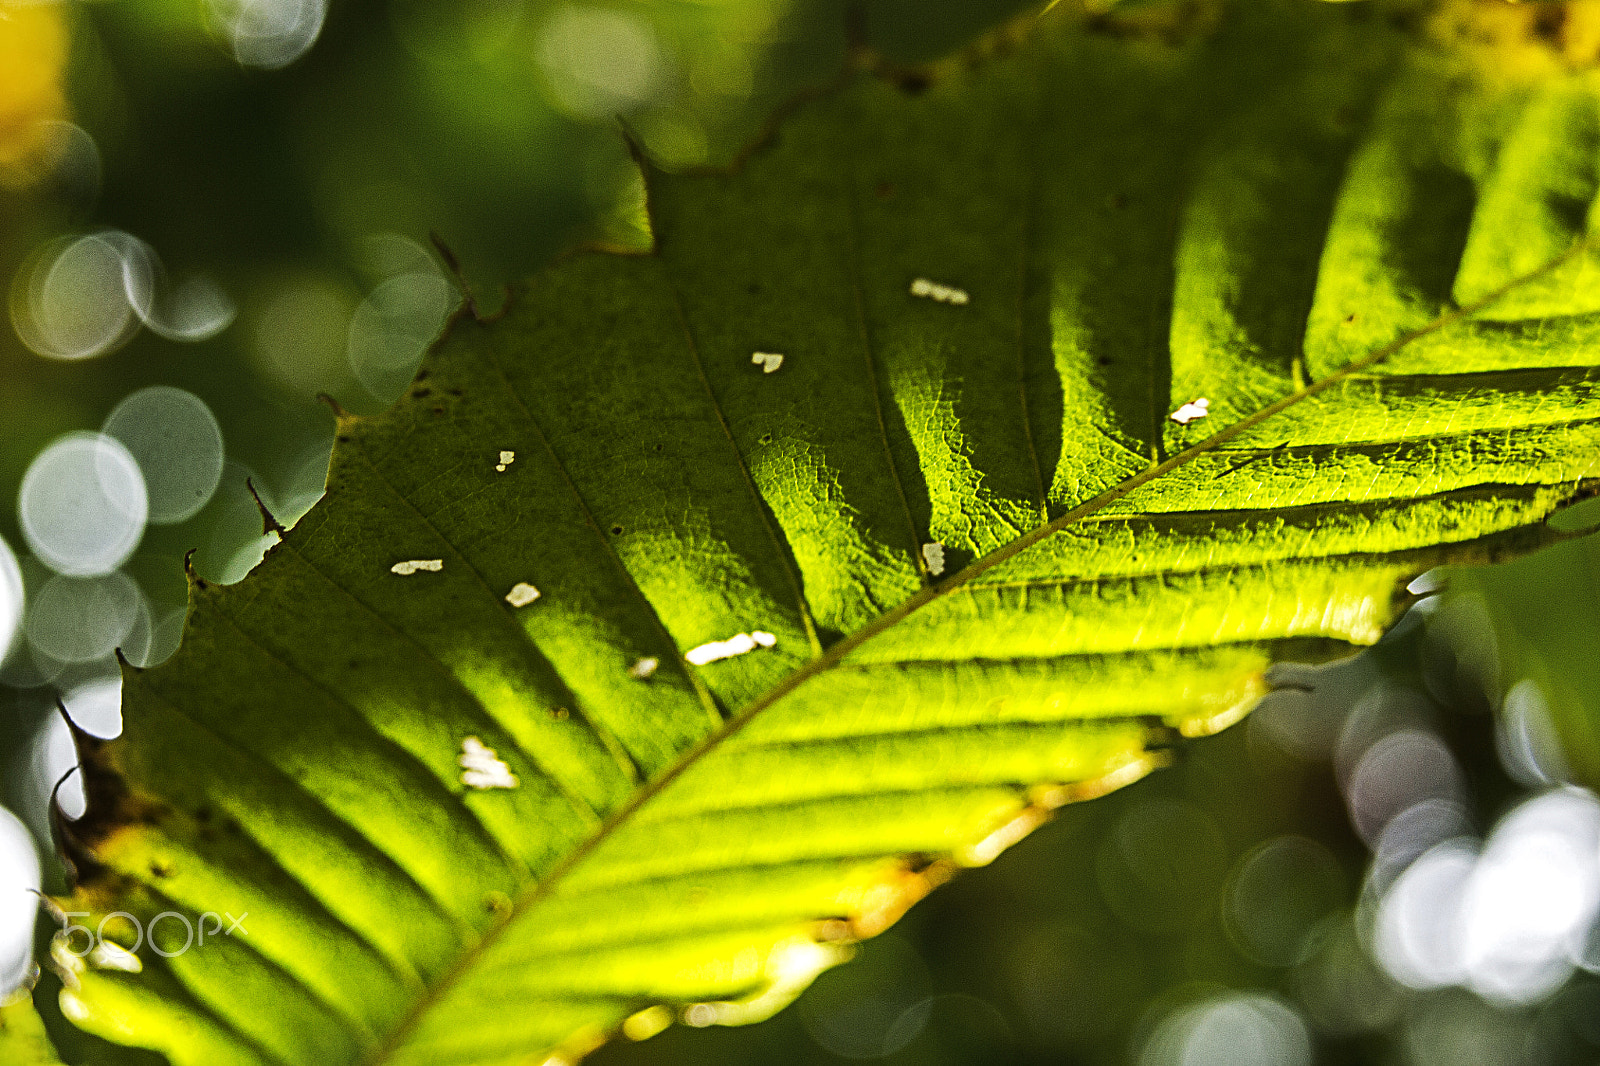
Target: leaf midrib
838	651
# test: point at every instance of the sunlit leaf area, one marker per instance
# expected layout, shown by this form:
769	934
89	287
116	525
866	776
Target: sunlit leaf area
234	231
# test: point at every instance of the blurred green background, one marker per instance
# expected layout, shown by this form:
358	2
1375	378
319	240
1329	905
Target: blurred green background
234	198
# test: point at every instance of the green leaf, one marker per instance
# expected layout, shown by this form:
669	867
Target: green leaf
1363	249
23	1040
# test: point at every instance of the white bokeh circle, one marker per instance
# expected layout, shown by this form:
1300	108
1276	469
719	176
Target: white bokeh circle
83	506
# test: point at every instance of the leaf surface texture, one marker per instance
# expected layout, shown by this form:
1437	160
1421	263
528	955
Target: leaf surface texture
1360	246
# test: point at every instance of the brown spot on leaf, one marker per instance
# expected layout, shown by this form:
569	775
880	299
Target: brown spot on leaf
913	82
111	810
1549	21
883	903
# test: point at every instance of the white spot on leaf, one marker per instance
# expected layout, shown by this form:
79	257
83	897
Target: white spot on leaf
411	566
506	459
522	594
109	956
1191	411
481	768
933	555
767	361
74	1007
643	668
737	644
932	290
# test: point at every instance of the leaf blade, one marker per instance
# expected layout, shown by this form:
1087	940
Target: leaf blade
703	835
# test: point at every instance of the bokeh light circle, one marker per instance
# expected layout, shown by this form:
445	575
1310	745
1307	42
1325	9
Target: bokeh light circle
393	327
26	667
1230	1030
269	34
1343	991
1411	833
1533	898
194	310
166	633
1417	937
81	619
299	336
1277	896
176	441
82	506
1527	739
1161	864
19	906
599	62
96	707
11	597
68	158
1404	768
55	756
72	301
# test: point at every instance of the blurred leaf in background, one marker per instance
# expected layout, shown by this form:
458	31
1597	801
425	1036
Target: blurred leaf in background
33	53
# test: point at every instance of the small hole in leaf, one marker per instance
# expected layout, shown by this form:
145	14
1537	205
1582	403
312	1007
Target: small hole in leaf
616	529
1351	317
659	447
766	438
